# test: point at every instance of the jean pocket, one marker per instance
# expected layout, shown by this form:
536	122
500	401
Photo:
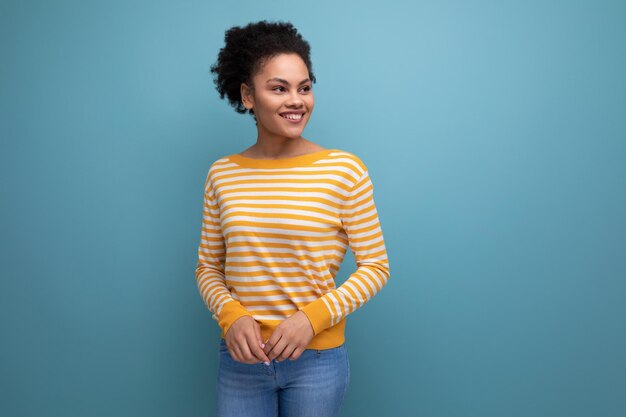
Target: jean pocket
222	345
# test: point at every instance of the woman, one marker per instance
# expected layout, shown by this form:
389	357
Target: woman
277	221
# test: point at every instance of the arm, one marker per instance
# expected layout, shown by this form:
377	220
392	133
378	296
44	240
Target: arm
360	221
210	267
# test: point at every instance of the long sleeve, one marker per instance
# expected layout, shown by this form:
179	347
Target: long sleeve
210	267
361	224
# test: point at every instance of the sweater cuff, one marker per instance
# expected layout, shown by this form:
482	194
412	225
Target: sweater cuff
231	311
318	314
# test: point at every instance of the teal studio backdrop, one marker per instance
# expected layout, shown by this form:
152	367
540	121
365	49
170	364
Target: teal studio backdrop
495	136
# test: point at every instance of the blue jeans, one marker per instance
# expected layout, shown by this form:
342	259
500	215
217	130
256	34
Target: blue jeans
313	385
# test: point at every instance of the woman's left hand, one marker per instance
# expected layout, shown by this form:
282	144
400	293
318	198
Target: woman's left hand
290	338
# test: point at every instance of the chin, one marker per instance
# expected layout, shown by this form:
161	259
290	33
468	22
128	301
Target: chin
293	135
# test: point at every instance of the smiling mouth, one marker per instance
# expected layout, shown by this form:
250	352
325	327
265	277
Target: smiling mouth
296	117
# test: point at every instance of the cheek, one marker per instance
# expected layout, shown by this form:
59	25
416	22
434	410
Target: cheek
267	103
310	101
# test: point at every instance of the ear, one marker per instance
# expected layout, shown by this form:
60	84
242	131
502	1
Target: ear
246	96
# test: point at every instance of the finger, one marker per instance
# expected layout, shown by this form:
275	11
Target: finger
278	348
246	355
271	342
296	353
236	352
269	345
286	352
243	352
257	333
256	345
256	351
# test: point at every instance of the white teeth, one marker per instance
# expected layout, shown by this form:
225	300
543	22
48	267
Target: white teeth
292	116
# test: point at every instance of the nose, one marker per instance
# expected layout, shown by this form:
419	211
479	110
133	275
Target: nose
295	101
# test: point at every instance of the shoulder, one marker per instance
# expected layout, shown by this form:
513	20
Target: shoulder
351	160
215	167
220	163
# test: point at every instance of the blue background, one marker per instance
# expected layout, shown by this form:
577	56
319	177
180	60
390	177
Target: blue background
495	135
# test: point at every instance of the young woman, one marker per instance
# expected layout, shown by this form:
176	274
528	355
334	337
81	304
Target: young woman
278	219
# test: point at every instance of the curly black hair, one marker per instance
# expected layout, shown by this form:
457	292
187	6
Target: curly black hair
247	48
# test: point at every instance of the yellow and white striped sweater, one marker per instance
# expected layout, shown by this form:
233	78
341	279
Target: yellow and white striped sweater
274	233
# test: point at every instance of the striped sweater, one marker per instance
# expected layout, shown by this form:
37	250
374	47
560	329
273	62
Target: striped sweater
274	233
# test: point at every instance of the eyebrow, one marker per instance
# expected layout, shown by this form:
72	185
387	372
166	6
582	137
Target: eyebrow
280	80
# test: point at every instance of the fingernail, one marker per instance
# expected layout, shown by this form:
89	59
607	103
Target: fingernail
262	345
267	363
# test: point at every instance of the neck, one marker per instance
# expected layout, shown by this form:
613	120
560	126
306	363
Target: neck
269	145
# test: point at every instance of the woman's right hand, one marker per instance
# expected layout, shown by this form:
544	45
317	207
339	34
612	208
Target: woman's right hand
244	342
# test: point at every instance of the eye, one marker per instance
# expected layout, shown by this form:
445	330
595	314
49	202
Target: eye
306	88
274	89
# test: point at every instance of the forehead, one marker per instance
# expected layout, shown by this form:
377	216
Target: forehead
288	66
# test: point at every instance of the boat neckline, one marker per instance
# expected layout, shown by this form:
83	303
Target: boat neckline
292	161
